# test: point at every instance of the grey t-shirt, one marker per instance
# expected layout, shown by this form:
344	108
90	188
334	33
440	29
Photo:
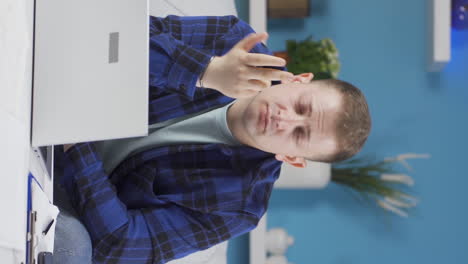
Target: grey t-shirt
209	126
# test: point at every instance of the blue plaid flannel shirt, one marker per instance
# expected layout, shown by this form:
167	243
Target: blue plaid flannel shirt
168	202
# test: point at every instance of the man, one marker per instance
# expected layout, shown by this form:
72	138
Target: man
205	172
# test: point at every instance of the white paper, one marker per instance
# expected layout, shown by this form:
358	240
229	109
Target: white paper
46	212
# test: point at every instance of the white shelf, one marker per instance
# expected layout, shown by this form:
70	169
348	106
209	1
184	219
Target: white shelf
258	15
439	25
257	242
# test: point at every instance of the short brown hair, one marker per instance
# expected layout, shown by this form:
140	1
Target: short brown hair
353	125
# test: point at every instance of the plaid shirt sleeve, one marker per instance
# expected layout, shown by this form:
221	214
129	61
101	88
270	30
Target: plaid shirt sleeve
145	235
181	48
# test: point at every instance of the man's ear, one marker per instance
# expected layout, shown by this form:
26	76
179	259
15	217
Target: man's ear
305	77
295	161
301	78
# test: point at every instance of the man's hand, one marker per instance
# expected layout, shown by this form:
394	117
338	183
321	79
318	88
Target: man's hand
67	147
237	74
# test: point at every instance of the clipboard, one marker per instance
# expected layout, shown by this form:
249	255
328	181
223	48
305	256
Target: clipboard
41	221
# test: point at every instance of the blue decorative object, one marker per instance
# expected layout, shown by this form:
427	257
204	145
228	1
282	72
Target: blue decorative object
460	14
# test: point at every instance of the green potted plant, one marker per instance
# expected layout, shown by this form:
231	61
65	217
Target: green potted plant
378	182
317	56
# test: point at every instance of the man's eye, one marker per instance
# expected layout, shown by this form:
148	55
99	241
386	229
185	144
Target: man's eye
300	108
299	132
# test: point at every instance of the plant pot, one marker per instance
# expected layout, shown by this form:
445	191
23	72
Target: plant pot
315	176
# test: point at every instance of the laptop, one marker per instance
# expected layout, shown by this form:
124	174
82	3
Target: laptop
90	71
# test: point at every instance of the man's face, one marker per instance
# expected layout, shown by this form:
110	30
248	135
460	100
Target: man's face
293	119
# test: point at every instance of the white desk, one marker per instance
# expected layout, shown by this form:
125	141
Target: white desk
15	96
14	159
16	42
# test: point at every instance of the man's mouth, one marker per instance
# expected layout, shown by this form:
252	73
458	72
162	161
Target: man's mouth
265	119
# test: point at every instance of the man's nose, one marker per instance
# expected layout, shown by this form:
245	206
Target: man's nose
285	122
287	118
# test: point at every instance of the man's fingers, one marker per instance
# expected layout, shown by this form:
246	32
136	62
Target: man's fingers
267	74
255	59
248	93
251	40
257	85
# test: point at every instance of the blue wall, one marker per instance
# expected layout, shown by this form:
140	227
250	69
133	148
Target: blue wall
383	47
